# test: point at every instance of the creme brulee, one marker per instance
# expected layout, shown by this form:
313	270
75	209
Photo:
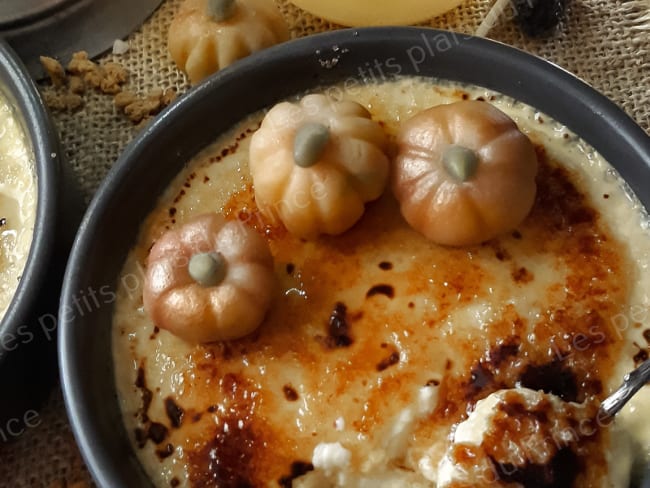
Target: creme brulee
17	202
432	334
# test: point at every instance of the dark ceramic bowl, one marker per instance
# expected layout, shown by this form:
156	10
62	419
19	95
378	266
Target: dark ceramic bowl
110	226
28	329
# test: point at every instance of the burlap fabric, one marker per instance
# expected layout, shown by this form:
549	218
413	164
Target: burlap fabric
605	42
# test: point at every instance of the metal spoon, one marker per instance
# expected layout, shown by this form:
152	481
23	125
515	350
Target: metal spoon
632	383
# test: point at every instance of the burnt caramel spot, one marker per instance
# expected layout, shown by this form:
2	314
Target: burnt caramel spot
411	305
480	379
480	99
165	452
338	328
156	432
146	395
174	412
504	351
553	378
174	482
465	96
206	178
640	356
606	196
561	472
385	265
516	234
381	289
432	383
290	268
298	469
386	363
522	275
227	459
290	393
172	211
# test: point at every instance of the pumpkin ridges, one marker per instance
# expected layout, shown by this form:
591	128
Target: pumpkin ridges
497	196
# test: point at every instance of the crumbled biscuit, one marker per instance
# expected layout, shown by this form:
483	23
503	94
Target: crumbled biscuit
124	98
72	101
62	101
169	95
114	76
54	70
53	100
80	64
144	122
76	85
142	108
94	78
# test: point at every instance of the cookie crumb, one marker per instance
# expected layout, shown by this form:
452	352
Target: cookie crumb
169	95
54	70
76	85
114	76
124	98
80	64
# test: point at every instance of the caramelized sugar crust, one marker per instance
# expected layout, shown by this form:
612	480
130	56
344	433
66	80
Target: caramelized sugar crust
362	320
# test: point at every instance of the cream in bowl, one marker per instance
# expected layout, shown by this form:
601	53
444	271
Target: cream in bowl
377	344
18	198
393	332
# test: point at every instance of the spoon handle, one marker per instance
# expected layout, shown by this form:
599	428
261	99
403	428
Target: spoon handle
632	383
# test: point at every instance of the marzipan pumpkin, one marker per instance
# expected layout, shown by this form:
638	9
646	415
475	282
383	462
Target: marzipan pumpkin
209	280
316	163
207	35
464	173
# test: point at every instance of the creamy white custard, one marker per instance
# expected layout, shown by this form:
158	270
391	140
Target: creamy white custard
17	202
566	294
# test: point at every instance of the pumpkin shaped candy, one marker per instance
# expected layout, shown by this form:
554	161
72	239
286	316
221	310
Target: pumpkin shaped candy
316	163
207	35
209	280
464	173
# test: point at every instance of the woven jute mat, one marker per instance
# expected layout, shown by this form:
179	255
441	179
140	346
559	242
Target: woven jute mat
604	42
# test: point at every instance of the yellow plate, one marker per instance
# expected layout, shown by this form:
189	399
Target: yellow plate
377	12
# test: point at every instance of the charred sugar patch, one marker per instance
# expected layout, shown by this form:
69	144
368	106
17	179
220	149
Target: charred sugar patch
165	452
503	351
381	289
174	412
145	394
388	361
290	393
338	329
640	356
298	469
560	472
516	235
174	482
290	268
386	266
172	211
226	460
521	275
553	378
153	431
432	382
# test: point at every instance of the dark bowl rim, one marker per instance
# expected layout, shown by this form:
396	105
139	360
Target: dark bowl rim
71	361
44	143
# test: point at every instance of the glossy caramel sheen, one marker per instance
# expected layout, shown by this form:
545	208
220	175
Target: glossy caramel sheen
362	321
